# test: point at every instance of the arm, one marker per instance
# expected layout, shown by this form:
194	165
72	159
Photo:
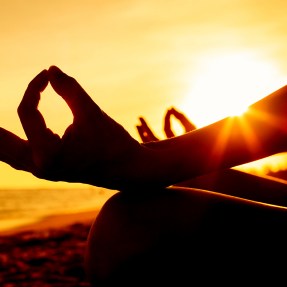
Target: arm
260	132
232	141
94	149
98	151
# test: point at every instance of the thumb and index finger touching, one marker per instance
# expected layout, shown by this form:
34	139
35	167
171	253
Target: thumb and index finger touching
42	140
67	87
73	94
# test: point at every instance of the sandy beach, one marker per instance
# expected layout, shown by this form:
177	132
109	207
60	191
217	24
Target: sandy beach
47	253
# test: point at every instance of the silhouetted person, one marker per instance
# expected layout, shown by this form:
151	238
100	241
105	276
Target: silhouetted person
227	181
150	232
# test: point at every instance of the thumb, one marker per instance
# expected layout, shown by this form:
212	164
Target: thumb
71	91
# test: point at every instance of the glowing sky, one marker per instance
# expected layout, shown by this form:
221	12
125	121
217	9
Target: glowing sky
140	57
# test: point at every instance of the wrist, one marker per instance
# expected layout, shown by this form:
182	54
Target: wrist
150	167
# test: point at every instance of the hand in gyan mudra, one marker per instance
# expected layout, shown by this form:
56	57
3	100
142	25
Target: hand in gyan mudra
97	150
94	148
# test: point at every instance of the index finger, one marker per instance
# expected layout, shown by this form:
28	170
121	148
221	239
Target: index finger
43	141
32	121
75	96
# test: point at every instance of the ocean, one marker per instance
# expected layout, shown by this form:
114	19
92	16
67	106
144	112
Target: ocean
25	206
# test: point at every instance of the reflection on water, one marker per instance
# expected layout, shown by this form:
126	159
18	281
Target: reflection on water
18	207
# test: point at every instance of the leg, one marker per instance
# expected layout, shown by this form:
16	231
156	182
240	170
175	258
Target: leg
241	184
180	235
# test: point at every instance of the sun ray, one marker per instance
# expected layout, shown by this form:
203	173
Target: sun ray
221	142
226	83
272	163
251	140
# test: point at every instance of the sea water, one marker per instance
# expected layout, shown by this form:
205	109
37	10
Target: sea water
24	206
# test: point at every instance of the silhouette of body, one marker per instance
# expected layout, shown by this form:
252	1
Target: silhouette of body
153	233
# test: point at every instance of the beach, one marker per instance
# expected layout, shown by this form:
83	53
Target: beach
50	252
47	253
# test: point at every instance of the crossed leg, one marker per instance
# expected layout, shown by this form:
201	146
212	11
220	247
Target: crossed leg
183	235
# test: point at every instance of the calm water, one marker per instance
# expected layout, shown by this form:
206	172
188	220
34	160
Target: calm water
19	207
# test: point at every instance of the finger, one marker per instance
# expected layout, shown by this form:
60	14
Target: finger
167	115
32	121
71	91
43	141
149	135
167	125
170	111
144	124
189	126
176	113
15	151
141	134
167	130
186	123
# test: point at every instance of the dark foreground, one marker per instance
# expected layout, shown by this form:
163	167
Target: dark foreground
44	258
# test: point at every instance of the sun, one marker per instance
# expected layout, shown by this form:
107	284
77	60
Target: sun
226	83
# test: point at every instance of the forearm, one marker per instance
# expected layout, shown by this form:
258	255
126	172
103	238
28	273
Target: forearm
226	143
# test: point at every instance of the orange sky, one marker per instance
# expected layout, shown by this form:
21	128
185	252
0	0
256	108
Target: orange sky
140	57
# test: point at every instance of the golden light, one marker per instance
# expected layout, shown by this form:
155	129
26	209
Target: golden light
226	83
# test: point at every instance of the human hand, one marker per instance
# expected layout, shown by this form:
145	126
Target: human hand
185	122
148	136
94	148
145	132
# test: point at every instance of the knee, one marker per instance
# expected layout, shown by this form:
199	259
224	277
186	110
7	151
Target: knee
116	238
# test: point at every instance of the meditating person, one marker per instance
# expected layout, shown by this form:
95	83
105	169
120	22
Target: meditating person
153	233
228	181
